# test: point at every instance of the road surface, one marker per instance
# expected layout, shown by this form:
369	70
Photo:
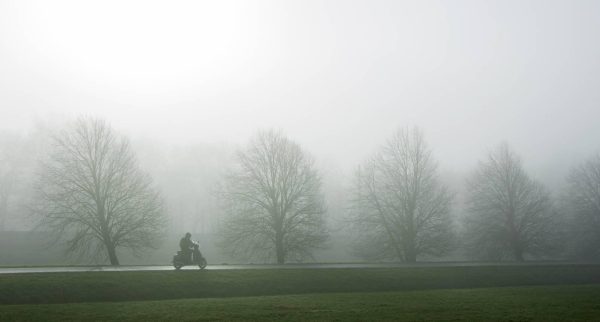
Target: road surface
57	269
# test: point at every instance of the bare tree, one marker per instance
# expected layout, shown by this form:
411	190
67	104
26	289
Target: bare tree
273	202
583	204
509	213
91	192
399	207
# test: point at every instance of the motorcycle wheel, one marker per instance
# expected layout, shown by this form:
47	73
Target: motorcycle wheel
202	264
177	265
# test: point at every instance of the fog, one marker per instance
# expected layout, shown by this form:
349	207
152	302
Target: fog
189	82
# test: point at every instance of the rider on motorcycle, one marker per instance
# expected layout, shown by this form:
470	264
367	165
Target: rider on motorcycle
186	244
189	255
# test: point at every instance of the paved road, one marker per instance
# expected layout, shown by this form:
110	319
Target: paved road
56	269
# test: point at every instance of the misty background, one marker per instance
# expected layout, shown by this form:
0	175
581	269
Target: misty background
191	82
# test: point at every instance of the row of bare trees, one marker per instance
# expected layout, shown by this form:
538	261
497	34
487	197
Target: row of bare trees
402	210
91	191
399	209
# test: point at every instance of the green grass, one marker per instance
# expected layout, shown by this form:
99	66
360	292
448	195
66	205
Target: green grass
163	285
545	292
533	303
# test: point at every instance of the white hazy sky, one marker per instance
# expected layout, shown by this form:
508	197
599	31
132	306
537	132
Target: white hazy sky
337	76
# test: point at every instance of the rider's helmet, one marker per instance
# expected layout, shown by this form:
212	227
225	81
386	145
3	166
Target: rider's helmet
188	235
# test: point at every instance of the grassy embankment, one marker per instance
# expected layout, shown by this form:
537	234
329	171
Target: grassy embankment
502	292
529	303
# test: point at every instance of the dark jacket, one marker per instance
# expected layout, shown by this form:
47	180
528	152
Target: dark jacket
186	244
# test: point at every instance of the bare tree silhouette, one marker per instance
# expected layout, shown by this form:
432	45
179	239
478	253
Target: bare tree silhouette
399	207
273	202
91	192
508	211
583	205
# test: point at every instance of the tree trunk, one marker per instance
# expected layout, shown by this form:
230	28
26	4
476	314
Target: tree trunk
279	249
517	247
112	254
515	238
518	252
409	252
410	255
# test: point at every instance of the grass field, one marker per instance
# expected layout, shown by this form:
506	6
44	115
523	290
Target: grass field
570	292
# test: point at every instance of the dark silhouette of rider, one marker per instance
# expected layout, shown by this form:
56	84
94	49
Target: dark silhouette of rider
186	245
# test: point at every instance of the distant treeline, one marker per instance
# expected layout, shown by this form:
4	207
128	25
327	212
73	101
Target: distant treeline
267	202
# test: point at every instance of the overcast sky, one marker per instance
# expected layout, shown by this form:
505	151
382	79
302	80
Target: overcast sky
337	76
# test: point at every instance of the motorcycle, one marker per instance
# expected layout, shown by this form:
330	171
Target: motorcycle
180	259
